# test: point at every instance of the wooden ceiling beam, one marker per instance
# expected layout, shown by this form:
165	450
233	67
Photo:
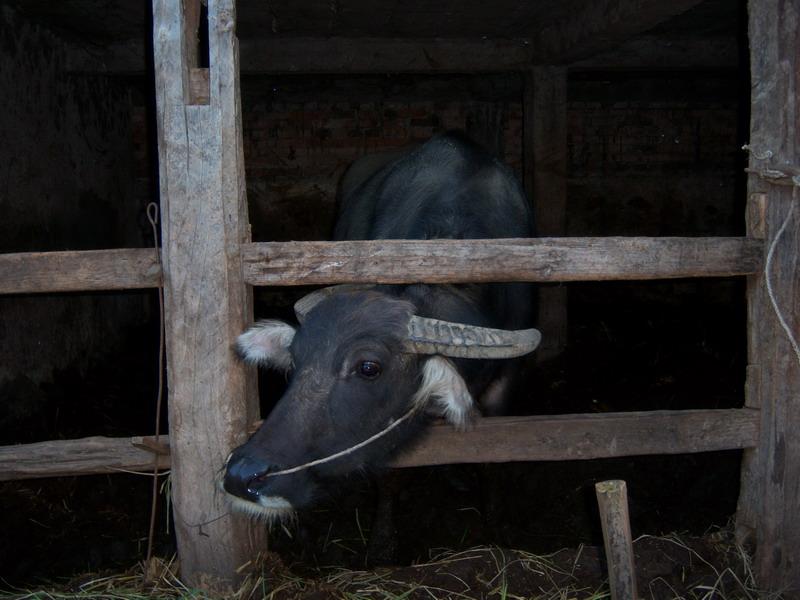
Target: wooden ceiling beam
597	26
592	29
658	52
334	55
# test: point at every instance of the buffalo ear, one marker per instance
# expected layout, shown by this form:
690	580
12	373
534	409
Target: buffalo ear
267	343
445	392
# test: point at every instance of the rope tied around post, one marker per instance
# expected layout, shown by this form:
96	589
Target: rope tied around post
787	175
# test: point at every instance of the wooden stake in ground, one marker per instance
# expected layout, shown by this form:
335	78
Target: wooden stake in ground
612	498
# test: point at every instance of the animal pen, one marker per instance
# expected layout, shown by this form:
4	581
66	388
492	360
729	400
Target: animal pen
208	266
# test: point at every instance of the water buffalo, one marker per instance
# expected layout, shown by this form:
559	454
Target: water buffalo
362	357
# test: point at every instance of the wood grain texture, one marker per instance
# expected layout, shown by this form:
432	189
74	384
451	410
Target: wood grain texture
207	304
89	270
582	437
87	456
542	259
491	439
198	86
564	259
612	500
770	492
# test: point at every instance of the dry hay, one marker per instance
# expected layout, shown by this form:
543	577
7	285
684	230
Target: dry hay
670	567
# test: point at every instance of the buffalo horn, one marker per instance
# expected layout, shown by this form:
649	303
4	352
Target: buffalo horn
432	336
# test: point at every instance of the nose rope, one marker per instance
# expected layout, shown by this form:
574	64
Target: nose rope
346	451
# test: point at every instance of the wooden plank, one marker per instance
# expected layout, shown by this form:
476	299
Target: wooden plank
89	270
491	439
327	55
665	53
770	491
198	86
390	55
582	437
612	500
541	259
593	27
137	268
383	55
207	304
545	172
87	456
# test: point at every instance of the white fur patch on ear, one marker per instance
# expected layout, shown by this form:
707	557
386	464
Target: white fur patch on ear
267	343
444	390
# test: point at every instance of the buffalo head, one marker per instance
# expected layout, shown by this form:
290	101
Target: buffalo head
359	361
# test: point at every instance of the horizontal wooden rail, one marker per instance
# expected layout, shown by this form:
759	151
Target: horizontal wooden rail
86	456
540	259
495	439
583	437
79	271
402	261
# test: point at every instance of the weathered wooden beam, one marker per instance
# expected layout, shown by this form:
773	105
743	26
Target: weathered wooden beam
87	456
442	55
89	270
545	174
582	437
593	27
612	500
204	223
335	55
766	518
541	259
667	53
492	439
370	55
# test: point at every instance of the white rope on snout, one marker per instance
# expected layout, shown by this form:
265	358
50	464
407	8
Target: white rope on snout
346	451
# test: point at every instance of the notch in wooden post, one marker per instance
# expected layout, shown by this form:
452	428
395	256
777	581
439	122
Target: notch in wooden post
195	24
612	498
757	215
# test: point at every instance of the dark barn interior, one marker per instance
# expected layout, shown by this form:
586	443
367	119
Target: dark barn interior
656	114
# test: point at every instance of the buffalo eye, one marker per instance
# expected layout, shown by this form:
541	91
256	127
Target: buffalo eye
369	369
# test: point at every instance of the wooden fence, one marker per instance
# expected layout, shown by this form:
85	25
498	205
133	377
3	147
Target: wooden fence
210	264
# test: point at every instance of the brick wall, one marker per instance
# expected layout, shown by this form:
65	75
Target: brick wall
655	156
648	155
300	138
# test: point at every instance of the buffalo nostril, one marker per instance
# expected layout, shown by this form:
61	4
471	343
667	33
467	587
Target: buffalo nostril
256	481
245	476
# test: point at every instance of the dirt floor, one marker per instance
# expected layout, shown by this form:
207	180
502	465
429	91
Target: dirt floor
668	568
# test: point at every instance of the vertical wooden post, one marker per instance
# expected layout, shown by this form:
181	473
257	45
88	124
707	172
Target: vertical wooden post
204	221
769	502
612	499
545	173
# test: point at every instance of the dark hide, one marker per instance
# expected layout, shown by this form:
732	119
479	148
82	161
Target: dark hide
446	188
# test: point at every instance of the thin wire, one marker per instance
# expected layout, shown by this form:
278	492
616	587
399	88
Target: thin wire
152	216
